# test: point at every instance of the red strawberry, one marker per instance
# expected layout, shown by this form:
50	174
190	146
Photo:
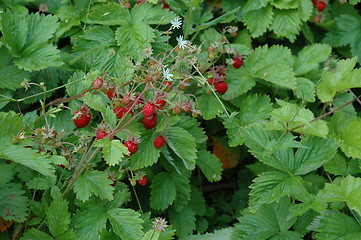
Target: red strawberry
114	182
160	103
143	181
120	111
149	123
314	2
101	134
148	110
82	117
159	142
320	6
98	83
139	2
132	147
111	94
211	80
237	63
221	87
166	6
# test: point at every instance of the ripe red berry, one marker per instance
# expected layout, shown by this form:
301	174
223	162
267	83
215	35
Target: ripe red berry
211	80
148	110
149	123
120	111
237	62
143	181
166	6
114	182
81	118
139	2
160	103
159	142
132	147
111	94
320	6
98	83
221	87
101	134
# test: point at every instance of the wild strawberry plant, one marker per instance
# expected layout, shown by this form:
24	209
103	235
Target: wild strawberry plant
119	118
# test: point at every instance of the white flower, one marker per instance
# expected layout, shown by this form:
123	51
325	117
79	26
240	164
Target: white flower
167	75
176	23
181	43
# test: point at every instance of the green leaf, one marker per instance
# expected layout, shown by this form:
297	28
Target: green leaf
151	14
254	108
286	23
93	183
58	217
13	204
33	233
147	154
183	189
41	183
351	141
11	77
239	82
29	157
224	234
108	14
290	116
209	106
336	225
163	191
26	37
151	235
337	165
197	202
89	223
348	190
6	173
284	4
10	125
193	127
94	101
271	221
183	221
270	186
77	83
183	145
318	152
341	78
310	57
272	65
233	126
305	90
346	32
305	9
210	165
258	20
133	38
126	223
113	150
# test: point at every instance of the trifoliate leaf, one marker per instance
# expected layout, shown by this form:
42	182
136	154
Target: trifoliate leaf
239	81
113	150
29	158
89	223
126	223
209	106
183	145
133	38
337	225
346	32
210	165
272	65
271	221
147	154
318	151
258	20
341	77
58	217
93	183
254	108
286	23
305	90
351	142
13	204
310	57
270	186
292	117
348	190
163	191
33	233
108	14
183	221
